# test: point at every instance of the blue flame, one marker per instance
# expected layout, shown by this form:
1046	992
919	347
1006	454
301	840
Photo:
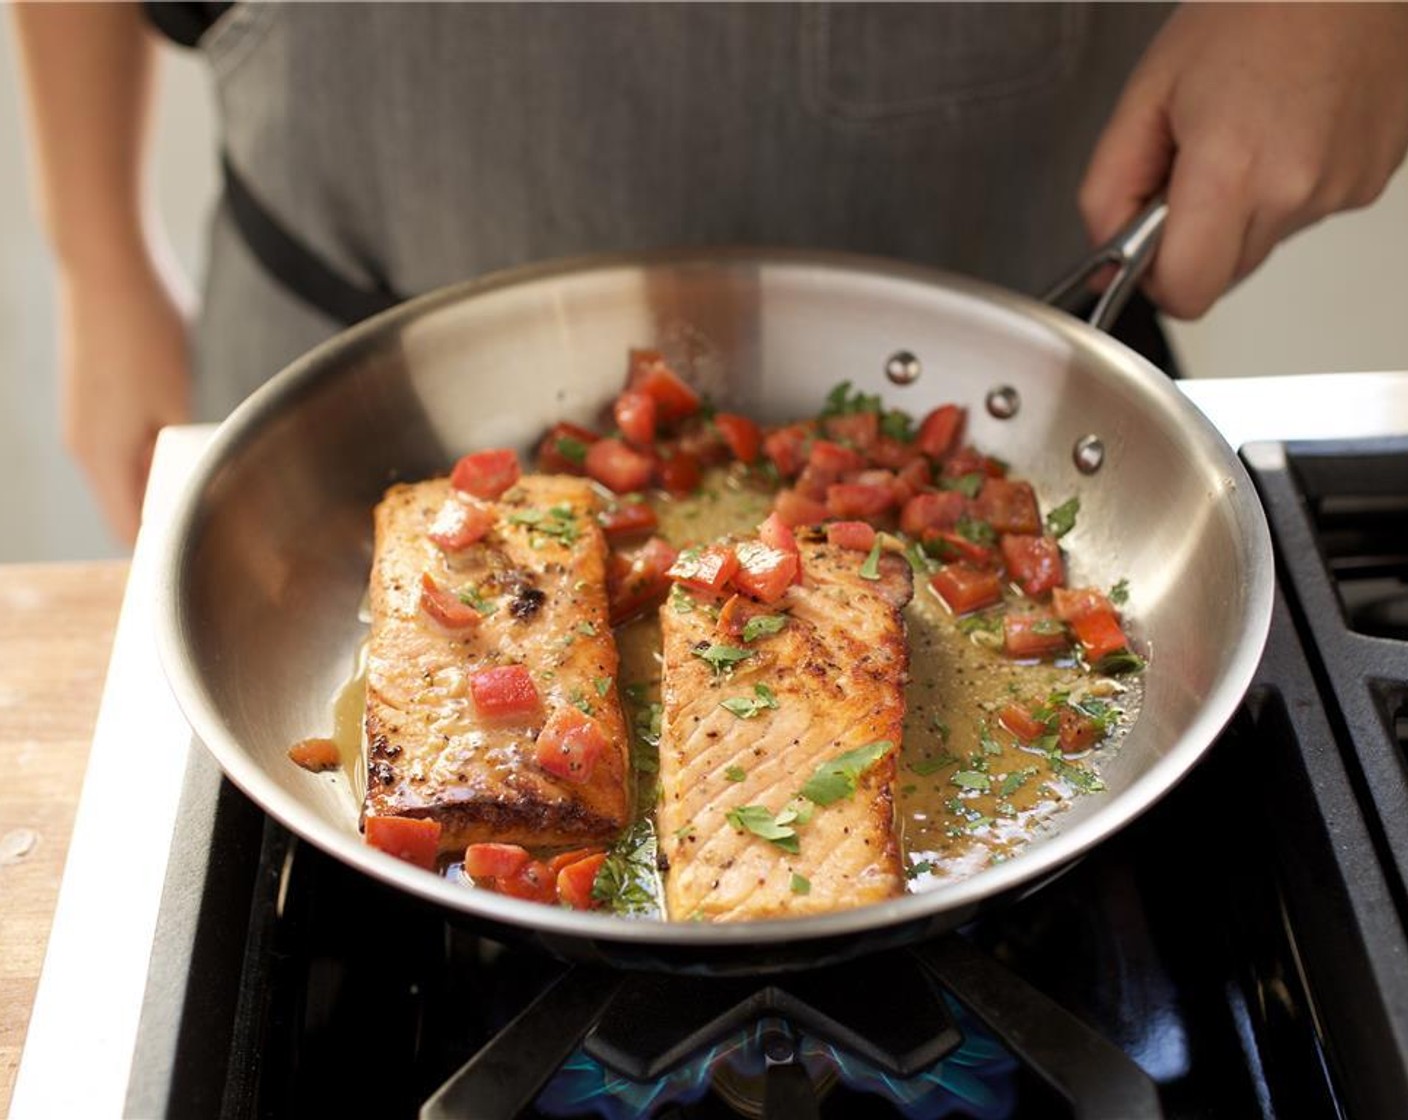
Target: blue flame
976	1080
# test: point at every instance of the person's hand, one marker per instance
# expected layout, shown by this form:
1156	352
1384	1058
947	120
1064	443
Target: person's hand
1260	119
125	374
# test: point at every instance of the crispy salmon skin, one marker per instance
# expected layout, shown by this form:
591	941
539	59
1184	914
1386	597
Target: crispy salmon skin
527	600
742	735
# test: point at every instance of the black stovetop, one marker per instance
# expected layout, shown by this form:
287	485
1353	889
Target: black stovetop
1239	951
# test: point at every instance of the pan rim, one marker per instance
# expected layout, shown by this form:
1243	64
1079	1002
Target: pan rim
1034	862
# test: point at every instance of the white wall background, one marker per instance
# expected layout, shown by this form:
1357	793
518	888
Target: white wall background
1334	298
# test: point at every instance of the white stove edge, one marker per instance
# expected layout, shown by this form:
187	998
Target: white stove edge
83	1030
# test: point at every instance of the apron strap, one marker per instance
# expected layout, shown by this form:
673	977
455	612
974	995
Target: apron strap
294	265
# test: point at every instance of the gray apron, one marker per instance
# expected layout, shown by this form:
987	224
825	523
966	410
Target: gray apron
408	146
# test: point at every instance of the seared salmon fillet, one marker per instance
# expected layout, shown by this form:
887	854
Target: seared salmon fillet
445	741
827	686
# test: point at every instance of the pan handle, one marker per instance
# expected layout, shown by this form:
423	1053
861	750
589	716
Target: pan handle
1131	250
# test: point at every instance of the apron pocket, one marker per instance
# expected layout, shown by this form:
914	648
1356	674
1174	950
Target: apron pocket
877	63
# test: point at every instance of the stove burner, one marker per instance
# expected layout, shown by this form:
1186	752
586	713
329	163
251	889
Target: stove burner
765	1070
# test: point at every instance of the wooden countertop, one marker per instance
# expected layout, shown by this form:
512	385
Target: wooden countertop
56	630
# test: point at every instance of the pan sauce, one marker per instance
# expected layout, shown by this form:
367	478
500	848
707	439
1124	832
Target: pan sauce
958	682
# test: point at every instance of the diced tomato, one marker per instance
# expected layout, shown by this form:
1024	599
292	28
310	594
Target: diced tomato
569	745
626	519
460	523
486	474
764	573
564	449
955	546
635	416
894	453
575	881
504	692
794	509
850	534
1071	603
940	430
858	499
832	458
444	607
316	754
813	482
1076	731
700	438
1033	635
924	512
1022	723
744	438
494	861
1009	507
965	588
776	533
638	582
706	568
618	467
413	839
563	859
680	474
787	449
1033	562
913	479
1099	634
969	460
650	374
532	882
859	429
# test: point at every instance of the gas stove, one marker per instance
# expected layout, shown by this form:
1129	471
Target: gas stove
1241	950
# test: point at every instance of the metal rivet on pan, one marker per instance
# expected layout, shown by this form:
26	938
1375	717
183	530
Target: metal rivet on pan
903	368
1089	454
1003	402
777	1047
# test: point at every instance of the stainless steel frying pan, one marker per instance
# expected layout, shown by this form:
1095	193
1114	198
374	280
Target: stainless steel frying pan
271	549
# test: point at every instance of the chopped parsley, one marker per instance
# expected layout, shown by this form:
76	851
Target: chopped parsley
989	622
629	879
918	560
470	597
761	624
926	766
923	867
1077	776
1121	661
968	485
736	774
971	779
870	569
837	779
800	884
603	685
581	703
979	532
1015	781
557	522
681	601
760	822
721	658
1062	519
746	707
842	402
573	450
897	424
1119	594
586	629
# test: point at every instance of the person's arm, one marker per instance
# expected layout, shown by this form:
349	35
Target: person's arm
1260	120
88	70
